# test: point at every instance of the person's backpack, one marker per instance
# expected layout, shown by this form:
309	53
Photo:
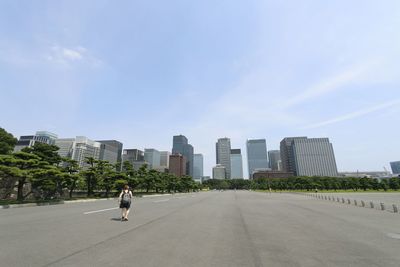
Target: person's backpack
126	198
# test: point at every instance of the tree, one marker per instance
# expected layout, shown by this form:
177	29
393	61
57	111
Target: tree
7	142
131	175
72	177
107	175
394	183
46	152
9	176
149	181
90	175
141	174
171	182
48	183
27	163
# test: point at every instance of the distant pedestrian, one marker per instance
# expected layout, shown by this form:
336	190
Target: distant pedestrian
125	200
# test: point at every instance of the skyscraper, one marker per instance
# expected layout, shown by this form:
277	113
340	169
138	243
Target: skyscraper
177	165
79	149
223	151
152	157
164	159
256	155
134	156
395	165
30	140
181	146
198	166
236	164
287	156
111	151
274	157
310	156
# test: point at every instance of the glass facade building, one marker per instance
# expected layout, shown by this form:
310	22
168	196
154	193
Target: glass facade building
309	156
274	158
256	155
181	146
395	166
236	164
198	166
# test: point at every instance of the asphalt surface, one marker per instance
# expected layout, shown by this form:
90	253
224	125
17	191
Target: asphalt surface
231	228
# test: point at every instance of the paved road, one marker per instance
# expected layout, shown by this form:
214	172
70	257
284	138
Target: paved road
205	229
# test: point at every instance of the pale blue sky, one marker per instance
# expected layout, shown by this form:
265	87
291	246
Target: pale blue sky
143	71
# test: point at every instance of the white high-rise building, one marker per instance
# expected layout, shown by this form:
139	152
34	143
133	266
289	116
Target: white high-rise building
79	149
30	140
236	164
164	159
152	157
223	151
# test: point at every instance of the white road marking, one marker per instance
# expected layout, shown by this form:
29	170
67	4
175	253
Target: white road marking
163	200
95	211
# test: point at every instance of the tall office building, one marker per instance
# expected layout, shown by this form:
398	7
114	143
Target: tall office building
236	164
256	155
111	151
164	159
219	172
134	156
395	165
152	157
79	149
223	151
287	157
198	166
181	146
274	158
177	165
310	156
30	140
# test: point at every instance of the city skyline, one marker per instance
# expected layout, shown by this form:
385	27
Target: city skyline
66	144
262	69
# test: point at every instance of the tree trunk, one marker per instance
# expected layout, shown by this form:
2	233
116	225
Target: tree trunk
20	194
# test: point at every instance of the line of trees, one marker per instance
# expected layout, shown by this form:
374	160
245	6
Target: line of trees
307	183
39	172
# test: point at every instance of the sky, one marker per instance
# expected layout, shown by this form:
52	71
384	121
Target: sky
143	71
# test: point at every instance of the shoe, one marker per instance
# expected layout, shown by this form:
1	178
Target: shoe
122	219
126	219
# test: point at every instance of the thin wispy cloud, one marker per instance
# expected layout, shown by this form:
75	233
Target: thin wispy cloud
332	84
355	114
67	56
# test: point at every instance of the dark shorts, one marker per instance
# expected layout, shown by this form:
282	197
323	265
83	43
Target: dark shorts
125	205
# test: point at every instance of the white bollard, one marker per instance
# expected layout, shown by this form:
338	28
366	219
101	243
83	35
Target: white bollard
382	206
362	203
395	209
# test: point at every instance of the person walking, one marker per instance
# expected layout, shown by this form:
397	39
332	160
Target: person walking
125	199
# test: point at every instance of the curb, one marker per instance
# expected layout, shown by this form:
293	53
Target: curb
30	205
11	206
